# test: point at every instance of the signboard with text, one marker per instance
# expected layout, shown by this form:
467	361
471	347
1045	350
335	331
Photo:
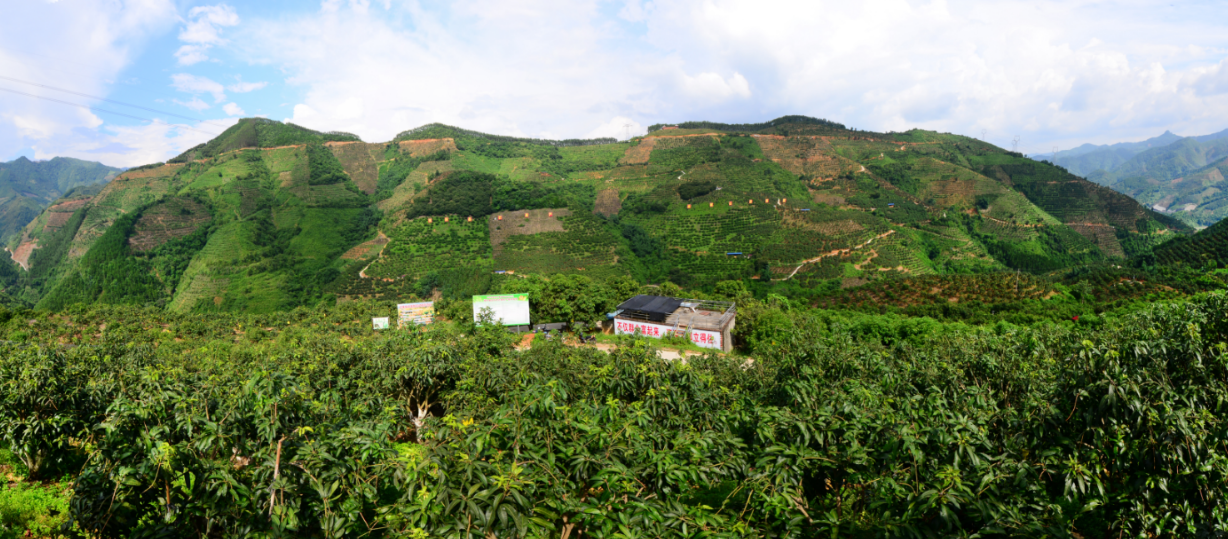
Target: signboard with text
508	309
699	337
379	322
415	313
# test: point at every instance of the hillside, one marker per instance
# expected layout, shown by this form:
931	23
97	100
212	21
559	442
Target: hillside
269	215
27	187
1180	176
1207	249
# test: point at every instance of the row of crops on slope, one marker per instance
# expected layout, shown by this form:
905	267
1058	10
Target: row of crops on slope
1208	249
584	243
478	194
418	247
308	424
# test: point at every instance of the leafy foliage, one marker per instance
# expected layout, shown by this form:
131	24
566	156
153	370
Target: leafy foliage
325	168
306	423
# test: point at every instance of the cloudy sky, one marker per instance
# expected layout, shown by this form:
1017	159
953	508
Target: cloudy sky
129	82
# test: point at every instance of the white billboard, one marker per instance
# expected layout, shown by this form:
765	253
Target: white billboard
699	337
418	314
508	309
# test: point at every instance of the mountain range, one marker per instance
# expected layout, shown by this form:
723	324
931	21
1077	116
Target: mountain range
27	187
272	215
1181	176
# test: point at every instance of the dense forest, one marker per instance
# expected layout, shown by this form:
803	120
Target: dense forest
308	423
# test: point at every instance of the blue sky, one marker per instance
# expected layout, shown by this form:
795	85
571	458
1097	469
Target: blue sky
1055	74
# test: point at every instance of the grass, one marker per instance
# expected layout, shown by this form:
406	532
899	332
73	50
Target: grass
29	509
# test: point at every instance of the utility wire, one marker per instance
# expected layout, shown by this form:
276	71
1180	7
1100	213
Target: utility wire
87	107
112	101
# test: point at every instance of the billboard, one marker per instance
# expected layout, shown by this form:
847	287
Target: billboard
699	337
509	309
379	322
417	313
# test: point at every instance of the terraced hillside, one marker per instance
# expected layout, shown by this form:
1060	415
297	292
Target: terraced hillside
273	215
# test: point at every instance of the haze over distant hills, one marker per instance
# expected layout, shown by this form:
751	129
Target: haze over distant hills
26	187
1183	176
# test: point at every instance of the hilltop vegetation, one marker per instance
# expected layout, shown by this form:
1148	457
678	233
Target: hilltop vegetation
259	133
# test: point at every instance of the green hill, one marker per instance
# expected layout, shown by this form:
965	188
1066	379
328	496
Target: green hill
26	187
270	215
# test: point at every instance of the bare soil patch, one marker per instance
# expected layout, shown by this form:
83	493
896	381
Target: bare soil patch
607	203
22	255
174	218
419	148
638	154
515	224
363	249
358	161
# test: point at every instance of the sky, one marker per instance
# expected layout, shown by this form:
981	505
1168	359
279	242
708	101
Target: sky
131	82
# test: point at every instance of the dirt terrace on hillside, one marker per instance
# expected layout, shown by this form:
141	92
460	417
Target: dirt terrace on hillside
810	156
22	255
166	221
60	213
363	249
514	223
639	154
607	203
168	169
424	147
1103	235
360	160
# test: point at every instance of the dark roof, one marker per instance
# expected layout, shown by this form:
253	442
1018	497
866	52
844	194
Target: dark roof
654	308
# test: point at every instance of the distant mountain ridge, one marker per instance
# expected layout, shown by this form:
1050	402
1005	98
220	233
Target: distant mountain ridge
270	216
1178	175
26	187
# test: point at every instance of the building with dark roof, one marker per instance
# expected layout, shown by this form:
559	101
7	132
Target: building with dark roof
705	323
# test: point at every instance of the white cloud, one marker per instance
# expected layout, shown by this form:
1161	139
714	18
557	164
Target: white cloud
711	87
244	87
129	146
191	54
193	84
74	45
531	68
619	127
203	32
195	104
232	109
1052	72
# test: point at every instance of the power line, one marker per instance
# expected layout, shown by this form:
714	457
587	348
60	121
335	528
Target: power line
112	101
87	107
